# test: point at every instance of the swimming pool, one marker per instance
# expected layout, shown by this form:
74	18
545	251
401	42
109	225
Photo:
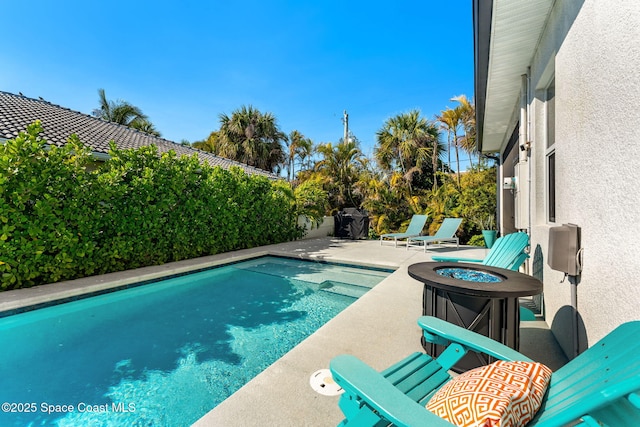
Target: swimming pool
168	352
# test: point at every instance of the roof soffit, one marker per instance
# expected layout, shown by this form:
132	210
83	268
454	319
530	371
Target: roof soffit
516	29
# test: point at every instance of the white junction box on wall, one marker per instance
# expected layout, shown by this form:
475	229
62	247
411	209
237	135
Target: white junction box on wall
509	183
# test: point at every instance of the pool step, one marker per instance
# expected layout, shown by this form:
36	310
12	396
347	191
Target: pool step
346	289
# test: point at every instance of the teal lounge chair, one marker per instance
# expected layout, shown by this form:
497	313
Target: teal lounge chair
507	252
446	233
600	387
414	229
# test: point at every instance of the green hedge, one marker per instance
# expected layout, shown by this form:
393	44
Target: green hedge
60	221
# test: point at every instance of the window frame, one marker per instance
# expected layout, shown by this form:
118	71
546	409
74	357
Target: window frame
550	152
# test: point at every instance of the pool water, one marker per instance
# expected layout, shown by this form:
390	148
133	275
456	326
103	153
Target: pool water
166	353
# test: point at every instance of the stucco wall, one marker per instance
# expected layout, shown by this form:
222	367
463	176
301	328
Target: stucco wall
593	49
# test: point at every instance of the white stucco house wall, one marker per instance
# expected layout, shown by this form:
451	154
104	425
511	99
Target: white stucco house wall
557	94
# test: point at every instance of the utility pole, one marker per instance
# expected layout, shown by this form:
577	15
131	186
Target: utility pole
346	127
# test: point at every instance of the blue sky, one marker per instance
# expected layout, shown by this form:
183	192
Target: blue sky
184	63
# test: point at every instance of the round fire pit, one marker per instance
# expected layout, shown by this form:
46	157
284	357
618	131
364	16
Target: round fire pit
477	297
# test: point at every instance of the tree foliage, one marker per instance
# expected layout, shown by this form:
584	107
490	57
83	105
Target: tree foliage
410	177
59	221
408	143
450	119
210	144
311	201
467	141
251	137
299	148
144	125
339	170
123	113
478	197
387	207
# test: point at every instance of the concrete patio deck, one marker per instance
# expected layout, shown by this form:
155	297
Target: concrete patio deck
379	328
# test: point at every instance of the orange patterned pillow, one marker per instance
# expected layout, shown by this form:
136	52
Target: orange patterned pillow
502	394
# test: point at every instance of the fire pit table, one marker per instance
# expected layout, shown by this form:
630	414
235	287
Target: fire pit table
478	298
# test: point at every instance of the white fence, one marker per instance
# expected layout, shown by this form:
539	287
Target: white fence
324	229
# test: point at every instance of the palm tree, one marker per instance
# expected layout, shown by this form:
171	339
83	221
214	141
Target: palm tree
305	154
340	168
144	125
451	120
253	138
120	112
300	148
468	118
436	152
407	142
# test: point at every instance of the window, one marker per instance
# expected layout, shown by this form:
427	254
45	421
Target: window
550	121
551	187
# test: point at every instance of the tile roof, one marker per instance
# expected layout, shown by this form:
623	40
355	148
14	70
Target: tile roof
58	123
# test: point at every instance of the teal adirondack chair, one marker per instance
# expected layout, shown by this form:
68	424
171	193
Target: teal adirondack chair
507	252
414	229
446	233
600	387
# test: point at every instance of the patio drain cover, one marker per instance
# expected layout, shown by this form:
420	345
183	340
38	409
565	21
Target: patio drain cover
322	382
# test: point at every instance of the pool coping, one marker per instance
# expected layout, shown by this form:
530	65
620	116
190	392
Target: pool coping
67	292
18	300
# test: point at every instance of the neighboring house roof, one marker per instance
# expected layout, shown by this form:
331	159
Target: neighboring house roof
506	35
58	123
